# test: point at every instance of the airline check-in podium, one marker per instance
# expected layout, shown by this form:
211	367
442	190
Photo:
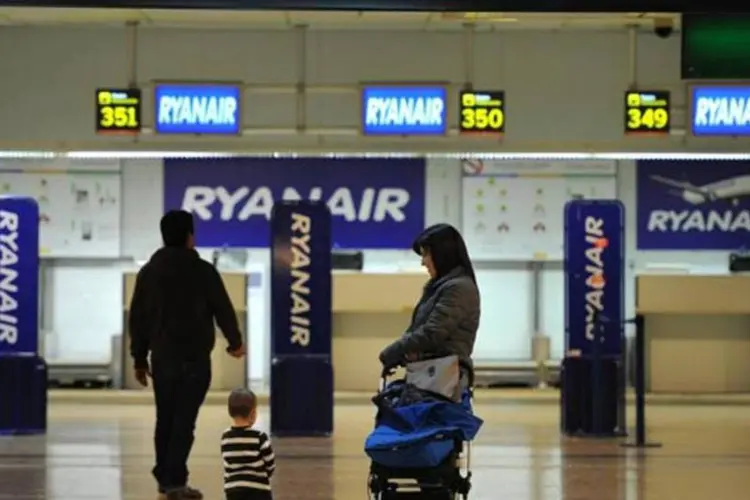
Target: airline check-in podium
370	310
697	330
227	373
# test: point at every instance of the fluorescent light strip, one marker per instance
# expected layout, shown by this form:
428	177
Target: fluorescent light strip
125	155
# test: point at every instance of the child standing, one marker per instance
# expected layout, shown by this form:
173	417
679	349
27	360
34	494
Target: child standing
248	457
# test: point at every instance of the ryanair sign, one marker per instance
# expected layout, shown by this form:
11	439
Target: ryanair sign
720	110
404	110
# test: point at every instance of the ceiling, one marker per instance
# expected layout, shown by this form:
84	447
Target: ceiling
210	19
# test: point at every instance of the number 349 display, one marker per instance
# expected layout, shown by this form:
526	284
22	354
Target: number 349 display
647	112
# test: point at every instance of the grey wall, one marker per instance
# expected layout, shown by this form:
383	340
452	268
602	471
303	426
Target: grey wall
563	89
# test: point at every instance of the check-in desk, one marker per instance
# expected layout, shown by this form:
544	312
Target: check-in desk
370	310
697	330
227	372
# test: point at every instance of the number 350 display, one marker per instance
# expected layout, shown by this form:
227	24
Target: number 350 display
482	112
118	111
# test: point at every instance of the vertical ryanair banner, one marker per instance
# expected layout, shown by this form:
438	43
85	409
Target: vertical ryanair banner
301	279
301	370
19	275
594	277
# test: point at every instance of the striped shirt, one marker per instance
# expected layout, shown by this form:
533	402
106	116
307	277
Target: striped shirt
248	458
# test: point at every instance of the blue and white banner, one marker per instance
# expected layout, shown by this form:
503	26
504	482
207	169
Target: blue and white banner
693	205
197	108
301	279
594	277
375	202
404	110
19	275
718	110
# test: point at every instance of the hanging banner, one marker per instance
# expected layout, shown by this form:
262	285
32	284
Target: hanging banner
693	205
594	277
404	110
301	278
19	275
720	110
374	202
198	108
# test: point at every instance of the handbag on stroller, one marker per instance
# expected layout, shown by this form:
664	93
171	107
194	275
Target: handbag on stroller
421	444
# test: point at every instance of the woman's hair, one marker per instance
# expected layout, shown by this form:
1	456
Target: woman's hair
446	247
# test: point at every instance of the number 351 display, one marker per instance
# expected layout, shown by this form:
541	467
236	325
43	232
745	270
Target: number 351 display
118	111
482	112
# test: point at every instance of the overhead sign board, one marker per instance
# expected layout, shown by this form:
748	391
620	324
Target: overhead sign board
482	112
647	112
720	110
404	110
198	108
118	111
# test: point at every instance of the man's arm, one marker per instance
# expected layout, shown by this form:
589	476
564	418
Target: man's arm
223	310
138	321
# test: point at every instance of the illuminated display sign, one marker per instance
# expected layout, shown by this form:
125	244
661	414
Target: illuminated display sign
198	108
647	112
404	110
118	111
720	110
482	112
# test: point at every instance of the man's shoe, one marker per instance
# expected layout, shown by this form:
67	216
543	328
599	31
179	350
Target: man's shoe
186	493
174	495
189	493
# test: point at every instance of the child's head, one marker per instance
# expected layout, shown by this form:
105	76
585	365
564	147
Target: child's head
242	405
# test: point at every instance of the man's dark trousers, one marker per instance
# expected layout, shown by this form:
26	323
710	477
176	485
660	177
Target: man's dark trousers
180	388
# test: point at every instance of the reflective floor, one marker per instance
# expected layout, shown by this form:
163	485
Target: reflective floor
104	452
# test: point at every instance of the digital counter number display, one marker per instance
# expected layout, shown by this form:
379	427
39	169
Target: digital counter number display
118	111
482	112
647	112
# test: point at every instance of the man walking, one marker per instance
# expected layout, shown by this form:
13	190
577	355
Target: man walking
176	299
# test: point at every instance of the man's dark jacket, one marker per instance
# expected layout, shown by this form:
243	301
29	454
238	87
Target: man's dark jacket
177	296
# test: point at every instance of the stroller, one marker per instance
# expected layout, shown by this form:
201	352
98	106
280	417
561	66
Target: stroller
420	447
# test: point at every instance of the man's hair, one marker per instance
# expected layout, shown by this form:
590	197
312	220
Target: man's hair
242	402
176	227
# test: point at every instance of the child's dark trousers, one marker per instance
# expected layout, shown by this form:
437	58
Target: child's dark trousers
249	494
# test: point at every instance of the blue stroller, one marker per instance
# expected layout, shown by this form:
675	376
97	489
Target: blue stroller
420	447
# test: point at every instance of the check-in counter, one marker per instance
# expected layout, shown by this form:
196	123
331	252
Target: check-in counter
370	310
227	372
697	330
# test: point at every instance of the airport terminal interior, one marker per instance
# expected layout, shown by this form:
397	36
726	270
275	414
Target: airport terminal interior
596	165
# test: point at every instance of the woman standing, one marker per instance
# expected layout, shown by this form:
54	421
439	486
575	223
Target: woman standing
446	319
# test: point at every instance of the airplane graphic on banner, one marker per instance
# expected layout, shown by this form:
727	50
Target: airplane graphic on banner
732	189
693	205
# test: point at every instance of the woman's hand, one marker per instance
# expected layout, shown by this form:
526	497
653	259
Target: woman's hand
391	355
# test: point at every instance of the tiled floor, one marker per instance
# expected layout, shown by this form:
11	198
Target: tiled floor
104	452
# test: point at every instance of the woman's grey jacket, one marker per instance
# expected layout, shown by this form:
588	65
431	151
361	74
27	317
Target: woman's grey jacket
444	322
